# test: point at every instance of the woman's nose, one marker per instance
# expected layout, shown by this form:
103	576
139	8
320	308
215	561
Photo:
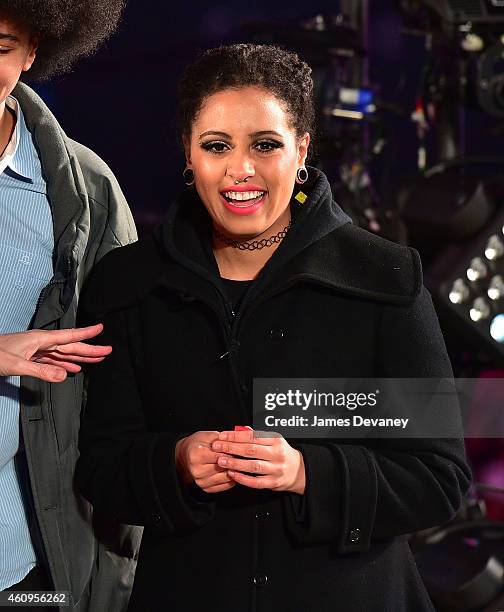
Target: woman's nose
240	167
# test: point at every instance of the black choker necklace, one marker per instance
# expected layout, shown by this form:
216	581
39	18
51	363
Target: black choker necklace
253	244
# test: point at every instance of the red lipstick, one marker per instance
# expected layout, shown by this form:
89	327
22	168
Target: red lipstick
243	207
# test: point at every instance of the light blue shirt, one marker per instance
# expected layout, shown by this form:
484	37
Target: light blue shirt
26	248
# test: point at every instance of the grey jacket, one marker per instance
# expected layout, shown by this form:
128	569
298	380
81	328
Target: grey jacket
92	559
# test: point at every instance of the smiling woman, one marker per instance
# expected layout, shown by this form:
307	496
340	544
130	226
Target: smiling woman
257	273
244	175
246	135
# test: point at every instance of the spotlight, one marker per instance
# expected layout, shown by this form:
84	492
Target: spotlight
497	328
468	281
459	292
494	248
480	310
472	43
476	270
496	288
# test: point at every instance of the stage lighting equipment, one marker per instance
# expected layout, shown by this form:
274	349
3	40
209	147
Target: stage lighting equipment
448	206
497	328
459	12
471	289
496	288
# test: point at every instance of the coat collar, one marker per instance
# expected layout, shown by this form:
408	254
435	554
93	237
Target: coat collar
322	247
186	234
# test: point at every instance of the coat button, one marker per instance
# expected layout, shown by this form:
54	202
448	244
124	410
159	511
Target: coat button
156	519
260	579
354	535
277	334
244	388
262	514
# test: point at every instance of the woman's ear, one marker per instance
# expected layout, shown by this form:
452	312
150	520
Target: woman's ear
303	145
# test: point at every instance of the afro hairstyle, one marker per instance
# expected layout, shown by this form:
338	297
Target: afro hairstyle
66	29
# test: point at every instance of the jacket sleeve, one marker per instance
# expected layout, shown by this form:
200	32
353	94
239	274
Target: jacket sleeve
125	470
385	487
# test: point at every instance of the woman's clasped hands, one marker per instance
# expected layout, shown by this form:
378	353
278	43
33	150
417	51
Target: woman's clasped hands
217	461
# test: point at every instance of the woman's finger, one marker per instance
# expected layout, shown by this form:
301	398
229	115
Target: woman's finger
213	480
244	449
219	488
205	470
253	466
202	454
253	482
266	438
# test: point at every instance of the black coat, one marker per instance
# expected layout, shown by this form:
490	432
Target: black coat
333	301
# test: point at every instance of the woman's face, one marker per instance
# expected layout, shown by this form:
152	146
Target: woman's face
242	133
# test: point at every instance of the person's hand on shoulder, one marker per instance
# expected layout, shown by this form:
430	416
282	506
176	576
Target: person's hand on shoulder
49	355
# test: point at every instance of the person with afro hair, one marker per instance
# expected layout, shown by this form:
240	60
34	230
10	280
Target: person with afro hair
62	210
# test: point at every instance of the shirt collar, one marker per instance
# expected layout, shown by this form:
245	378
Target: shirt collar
17	159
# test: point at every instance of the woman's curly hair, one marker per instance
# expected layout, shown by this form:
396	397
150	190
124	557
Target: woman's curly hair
66	29
282	73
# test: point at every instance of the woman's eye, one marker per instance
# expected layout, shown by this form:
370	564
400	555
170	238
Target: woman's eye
215	146
265	146
4	50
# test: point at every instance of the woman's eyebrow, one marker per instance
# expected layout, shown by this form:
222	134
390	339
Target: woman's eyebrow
265	133
213	133
253	135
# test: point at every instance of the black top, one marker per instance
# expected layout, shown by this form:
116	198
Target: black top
236	290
